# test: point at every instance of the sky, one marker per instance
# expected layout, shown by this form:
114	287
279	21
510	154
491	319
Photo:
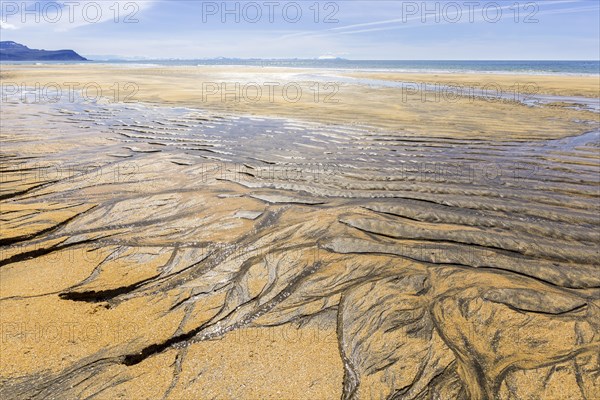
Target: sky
352	29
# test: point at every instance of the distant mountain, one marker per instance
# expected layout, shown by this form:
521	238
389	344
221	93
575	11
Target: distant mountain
114	57
12	51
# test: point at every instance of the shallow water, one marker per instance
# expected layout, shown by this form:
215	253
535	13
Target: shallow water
436	91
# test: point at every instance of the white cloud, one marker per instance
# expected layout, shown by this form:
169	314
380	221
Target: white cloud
7	26
476	15
61	16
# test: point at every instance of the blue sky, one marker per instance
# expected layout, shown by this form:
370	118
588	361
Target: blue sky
394	29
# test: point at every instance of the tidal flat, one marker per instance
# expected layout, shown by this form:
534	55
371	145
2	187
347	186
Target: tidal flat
365	241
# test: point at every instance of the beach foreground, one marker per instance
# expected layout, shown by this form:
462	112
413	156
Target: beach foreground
378	244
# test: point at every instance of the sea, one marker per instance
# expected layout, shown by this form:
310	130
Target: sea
541	67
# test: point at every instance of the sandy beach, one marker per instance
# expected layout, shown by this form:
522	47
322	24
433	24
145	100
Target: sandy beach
437	113
367	240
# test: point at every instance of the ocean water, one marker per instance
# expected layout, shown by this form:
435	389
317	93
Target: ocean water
465	66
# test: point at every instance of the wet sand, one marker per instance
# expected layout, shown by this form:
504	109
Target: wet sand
557	85
343	102
379	247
